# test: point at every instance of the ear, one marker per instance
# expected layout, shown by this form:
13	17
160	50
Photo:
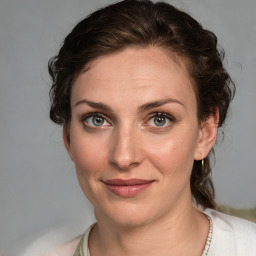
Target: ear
207	136
66	139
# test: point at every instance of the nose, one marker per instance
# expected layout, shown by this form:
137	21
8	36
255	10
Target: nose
126	150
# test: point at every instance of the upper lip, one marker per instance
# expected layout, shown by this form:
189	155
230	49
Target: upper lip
126	182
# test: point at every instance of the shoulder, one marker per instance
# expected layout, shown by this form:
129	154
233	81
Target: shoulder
78	246
66	249
52	243
232	233
231	223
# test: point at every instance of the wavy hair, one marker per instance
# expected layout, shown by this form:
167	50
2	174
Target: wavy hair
142	23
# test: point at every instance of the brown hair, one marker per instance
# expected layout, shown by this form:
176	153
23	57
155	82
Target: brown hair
142	23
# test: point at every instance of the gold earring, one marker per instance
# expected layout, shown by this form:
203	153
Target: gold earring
202	164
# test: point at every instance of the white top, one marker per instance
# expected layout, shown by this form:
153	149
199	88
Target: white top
231	236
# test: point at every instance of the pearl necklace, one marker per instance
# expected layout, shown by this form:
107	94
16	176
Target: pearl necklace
209	239
207	244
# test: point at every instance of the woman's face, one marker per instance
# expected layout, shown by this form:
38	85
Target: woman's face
134	135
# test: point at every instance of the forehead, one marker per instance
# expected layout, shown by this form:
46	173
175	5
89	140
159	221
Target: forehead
150	71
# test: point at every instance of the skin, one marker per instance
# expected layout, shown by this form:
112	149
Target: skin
161	220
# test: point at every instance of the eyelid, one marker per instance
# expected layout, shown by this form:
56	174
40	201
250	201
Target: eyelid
93	114
162	114
169	117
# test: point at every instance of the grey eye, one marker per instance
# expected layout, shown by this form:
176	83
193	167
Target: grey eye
98	120
159	120
95	120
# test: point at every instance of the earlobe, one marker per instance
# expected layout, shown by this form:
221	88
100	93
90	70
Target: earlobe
207	136
66	139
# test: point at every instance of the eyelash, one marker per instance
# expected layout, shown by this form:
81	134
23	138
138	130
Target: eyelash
94	114
170	118
86	124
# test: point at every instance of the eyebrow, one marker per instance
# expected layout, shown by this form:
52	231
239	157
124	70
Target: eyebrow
142	108
93	104
158	103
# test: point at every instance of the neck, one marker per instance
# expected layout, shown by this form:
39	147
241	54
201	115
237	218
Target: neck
183	232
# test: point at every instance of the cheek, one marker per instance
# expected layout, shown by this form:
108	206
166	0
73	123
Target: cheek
173	156
89	159
88	156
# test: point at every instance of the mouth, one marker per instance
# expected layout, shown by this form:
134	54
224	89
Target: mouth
127	188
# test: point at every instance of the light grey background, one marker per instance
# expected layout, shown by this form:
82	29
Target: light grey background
38	187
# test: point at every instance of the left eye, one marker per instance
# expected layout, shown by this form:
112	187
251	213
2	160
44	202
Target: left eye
160	120
95	120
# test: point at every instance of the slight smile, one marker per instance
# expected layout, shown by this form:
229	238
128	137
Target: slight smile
127	188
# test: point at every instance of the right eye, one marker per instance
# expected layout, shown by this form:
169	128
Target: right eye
95	120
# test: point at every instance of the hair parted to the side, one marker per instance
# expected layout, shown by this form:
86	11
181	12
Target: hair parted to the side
142	23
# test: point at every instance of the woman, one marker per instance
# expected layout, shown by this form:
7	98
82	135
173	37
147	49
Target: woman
141	91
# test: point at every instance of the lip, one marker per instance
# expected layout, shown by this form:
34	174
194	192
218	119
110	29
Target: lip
127	188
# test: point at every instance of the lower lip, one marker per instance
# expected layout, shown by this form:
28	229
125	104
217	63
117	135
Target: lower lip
128	191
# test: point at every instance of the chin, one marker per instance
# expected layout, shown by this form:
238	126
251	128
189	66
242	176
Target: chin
131	221
126	216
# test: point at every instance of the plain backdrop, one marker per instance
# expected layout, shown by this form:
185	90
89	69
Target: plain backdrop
39	193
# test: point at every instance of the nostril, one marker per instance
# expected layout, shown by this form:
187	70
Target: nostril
124	166
134	164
